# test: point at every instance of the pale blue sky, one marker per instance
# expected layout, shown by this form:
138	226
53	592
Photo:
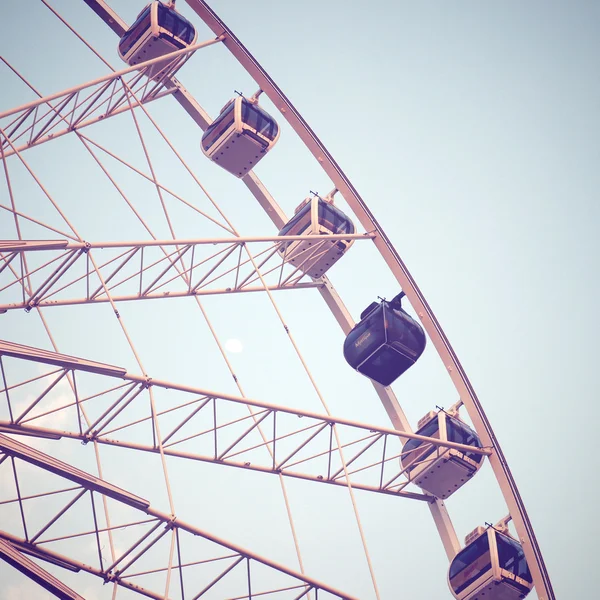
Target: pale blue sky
471	130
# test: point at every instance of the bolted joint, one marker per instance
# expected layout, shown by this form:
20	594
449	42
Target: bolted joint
109	577
170	524
31	304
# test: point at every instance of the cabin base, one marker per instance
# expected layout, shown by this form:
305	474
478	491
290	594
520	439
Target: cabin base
385	364
313	257
153	49
238	154
443	476
495	590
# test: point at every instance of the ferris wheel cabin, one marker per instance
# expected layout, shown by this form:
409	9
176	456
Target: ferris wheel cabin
491	566
158	30
316	216
385	343
437	470
240	136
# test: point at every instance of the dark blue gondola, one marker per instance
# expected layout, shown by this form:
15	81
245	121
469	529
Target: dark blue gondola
491	566
385	343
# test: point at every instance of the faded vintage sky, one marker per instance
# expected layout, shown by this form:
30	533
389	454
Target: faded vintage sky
472	132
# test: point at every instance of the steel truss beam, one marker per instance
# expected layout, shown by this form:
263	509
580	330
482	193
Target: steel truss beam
208	426
332	299
59	271
239	572
15	557
329	294
53	116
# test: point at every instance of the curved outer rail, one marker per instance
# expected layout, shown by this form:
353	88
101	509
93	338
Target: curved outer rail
91	483
508	486
328	293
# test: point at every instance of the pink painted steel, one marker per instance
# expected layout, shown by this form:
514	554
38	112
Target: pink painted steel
78	124
137	383
41	495
96	530
415	296
72	363
191	206
37	458
53	276
49	582
169	522
58	515
345	236
110	77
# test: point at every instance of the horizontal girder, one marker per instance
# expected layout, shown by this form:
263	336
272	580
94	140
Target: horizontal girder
207	426
412	291
13	556
53	116
62	272
147	533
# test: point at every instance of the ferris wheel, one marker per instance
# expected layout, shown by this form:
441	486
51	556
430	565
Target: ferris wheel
189	404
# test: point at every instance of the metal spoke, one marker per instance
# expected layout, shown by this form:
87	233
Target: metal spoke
221	550
155	278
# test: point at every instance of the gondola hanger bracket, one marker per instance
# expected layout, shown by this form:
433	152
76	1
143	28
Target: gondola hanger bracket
329	197
454	409
254	98
502	525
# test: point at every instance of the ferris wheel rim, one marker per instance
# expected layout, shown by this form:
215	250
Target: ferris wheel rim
385	240
325	159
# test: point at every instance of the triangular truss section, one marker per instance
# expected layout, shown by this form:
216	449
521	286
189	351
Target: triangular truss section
110	406
49	273
52	116
163	550
11	554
